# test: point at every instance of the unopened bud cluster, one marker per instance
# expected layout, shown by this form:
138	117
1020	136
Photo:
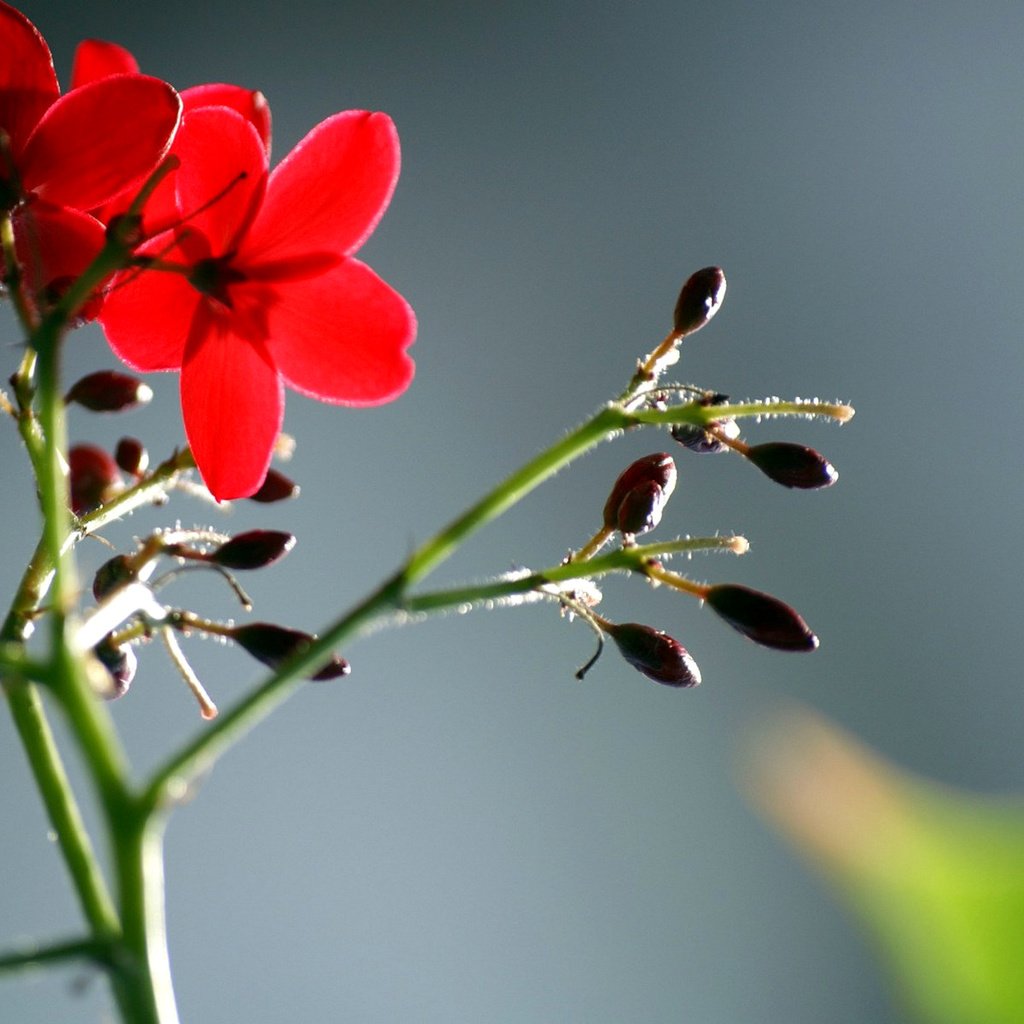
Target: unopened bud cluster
638	499
273	645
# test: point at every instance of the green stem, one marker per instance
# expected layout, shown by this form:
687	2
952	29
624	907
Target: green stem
144	990
151	488
45	761
62	809
12	274
702	414
97	951
606	423
173	779
137	988
625	560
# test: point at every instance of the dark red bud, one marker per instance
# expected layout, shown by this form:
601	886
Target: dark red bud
94	478
654	653
762	618
108	391
641	509
111	575
255	549
126	229
699	300
793	465
274	645
55	290
131	456
638	497
276	487
121	663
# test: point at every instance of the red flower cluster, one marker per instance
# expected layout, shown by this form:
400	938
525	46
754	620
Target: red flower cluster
249	280
62	156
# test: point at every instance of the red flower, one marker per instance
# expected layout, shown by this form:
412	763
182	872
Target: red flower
63	155
84	147
266	291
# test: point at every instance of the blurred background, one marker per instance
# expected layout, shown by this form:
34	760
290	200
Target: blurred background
460	831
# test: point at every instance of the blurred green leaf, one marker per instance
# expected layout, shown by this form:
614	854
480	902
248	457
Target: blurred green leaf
935	875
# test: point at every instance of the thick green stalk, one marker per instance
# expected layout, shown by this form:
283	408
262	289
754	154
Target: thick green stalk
45	761
61	808
144	989
141	987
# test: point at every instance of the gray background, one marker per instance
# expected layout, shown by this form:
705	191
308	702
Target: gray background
460	831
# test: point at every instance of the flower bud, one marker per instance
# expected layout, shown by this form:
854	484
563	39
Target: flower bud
112	574
131	456
698	300
94	478
126	229
793	465
108	391
121	663
255	549
762	618
276	487
274	645
654	653
53	291
638	497
697	438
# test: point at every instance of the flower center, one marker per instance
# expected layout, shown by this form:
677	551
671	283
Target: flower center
213	276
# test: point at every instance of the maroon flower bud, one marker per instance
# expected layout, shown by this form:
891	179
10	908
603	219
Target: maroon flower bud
121	663
111	575
793	465
108	391
276	487
53	291
699	300
93	476
274	645
638	497
255	549
131	456
127	229
655	654
762	618
697	438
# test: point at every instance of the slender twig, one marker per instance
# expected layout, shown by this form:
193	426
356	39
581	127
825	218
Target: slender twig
99	951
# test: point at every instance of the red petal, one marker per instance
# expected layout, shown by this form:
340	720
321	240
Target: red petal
233	405
97	140
341	337
222	175
96	59
329	193
54	243
161	210
250	103
28	83
147	317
